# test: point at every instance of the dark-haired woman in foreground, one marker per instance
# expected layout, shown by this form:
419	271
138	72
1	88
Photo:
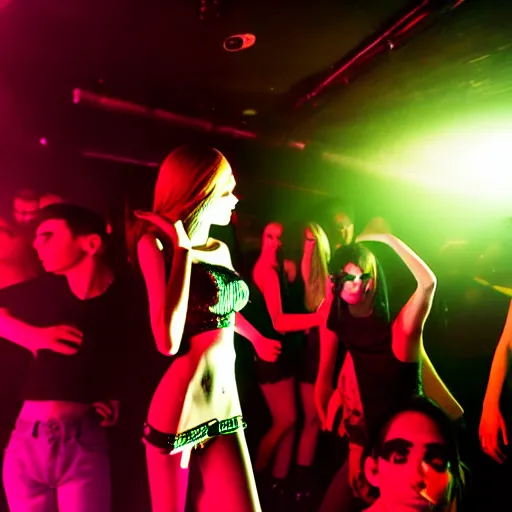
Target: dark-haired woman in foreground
412	460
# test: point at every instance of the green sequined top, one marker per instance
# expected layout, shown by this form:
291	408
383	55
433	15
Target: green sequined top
216	293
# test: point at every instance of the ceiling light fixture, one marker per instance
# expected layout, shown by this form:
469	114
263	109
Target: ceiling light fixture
239	42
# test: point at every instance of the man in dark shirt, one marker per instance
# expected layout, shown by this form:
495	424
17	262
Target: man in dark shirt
73	322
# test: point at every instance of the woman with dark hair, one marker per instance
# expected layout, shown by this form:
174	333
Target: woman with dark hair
194	300
384	358
412	461
273	311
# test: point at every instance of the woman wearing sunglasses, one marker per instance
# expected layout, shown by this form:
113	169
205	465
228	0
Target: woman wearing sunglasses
384	357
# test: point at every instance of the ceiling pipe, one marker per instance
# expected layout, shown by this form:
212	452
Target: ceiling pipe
83	97
386	40
88	98
120	159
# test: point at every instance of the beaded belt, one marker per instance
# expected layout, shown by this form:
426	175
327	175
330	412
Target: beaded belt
173	443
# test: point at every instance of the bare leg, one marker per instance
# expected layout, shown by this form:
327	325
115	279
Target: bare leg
309	435
168	481
280	398
228	480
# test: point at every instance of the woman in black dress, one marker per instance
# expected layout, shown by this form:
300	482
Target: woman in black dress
273	313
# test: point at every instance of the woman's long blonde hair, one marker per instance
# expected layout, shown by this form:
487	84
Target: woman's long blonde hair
186	183
316	284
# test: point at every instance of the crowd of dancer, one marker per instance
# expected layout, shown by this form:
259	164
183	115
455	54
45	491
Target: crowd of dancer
150	349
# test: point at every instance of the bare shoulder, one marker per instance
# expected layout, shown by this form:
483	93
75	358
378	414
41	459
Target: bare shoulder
258	271
224	254
218	254
221	246
265	275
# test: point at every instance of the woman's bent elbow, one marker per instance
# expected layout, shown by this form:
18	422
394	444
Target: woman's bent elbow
428	289
166	346
278	325
432	284
168	349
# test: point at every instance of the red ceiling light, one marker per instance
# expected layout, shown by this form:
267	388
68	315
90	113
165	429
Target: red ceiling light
239	42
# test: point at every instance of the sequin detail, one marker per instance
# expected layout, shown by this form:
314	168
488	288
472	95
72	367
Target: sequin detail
173	443
216	293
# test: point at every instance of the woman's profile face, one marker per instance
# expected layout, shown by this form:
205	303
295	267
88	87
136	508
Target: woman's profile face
412	470
220	209
356	284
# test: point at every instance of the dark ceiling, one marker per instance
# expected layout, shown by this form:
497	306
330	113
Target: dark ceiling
160	53
457	71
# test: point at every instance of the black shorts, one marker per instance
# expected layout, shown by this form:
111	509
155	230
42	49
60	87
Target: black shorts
299	358
285	366
308	357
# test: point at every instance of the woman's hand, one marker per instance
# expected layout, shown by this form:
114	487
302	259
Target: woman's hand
175	231
108	411
268	350
374	231
62	339
491	424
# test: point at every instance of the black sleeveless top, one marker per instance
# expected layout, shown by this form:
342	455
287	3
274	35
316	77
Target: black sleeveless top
384	381
257	313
